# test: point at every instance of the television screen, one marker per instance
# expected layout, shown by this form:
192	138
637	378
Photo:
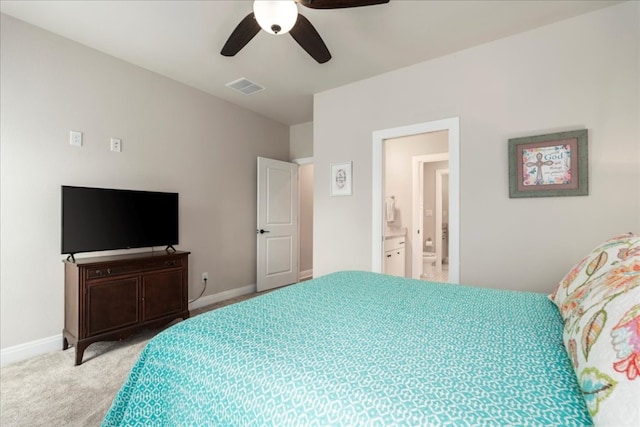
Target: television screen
99	219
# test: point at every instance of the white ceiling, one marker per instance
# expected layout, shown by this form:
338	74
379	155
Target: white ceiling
182	40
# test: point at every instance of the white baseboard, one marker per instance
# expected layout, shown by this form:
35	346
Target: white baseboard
222	296
27	350
306	274
31	349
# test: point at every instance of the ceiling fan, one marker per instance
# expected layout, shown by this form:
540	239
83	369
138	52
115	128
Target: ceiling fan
281	17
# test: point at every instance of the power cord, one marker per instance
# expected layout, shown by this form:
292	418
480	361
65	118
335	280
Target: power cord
204	288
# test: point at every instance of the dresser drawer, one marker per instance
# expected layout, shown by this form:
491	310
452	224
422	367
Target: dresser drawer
133	268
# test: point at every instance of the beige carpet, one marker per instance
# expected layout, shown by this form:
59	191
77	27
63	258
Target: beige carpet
48	390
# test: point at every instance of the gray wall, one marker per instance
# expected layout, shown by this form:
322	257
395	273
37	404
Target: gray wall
301	141
578	73
174	138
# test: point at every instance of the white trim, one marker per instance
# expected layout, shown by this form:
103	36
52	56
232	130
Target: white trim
306	274
222	296
303	161
378	137
417	238
30	349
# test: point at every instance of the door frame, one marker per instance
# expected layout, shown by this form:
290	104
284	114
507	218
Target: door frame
417	239
439	239
377	194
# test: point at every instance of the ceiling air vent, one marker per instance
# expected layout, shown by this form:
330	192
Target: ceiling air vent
245	86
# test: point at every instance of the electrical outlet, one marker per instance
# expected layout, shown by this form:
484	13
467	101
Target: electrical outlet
116	144
205	277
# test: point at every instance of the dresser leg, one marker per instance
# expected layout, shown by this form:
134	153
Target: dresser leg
79	352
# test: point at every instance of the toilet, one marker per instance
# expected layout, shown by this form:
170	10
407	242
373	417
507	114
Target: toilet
428	258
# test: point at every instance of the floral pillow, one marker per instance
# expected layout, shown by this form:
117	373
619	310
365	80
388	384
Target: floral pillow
573	287
600	303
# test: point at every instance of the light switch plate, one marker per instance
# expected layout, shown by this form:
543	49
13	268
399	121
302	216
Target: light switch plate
75	138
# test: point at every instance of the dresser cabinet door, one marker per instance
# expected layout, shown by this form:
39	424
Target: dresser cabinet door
162	294
111	305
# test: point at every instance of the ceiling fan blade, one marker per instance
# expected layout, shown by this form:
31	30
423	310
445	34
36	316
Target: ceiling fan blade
243	33
339	4
309	39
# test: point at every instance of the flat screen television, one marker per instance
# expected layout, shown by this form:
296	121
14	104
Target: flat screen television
100	219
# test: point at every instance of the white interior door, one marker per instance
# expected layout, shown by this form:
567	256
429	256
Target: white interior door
277	224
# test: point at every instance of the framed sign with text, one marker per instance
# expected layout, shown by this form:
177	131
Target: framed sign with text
549	165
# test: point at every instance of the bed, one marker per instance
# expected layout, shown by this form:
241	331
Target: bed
359	348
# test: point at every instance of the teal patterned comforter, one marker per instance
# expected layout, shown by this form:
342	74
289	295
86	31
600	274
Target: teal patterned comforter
356	349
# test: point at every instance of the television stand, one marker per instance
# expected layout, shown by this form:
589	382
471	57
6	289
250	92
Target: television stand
112	297
170	248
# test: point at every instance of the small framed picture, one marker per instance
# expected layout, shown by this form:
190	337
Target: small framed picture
340	174
549	165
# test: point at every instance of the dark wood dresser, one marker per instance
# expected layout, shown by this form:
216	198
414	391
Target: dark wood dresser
111	297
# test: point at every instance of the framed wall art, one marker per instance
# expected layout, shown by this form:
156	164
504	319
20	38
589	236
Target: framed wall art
340	179
554	164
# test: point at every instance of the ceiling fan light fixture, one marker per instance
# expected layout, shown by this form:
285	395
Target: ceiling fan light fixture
276	16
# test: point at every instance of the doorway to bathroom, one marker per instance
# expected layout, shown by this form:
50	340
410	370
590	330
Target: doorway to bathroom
394	178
